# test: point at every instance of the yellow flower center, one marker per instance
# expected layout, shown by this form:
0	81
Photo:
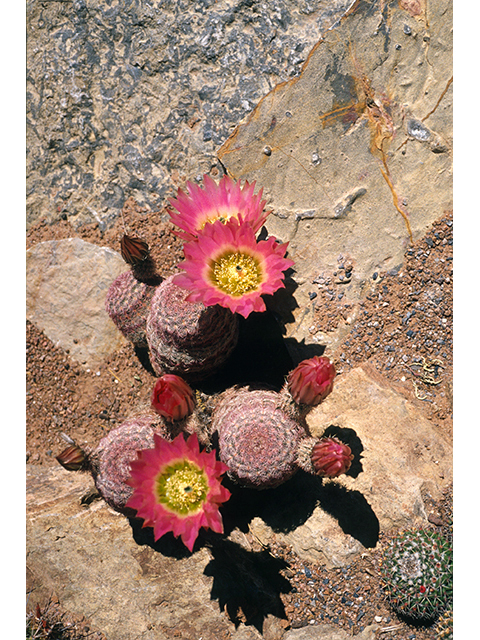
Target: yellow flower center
219	215
236	274
182	487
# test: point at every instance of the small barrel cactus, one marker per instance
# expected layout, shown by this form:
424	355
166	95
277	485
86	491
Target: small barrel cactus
128	303
417	574
258	441
187	338
110	461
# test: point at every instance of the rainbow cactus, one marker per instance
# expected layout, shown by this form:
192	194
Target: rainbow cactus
187	338
128	303
257	440
416	573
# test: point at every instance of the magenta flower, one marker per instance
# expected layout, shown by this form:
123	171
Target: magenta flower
177	488
330	457
227	266
172	397
312	380
214	202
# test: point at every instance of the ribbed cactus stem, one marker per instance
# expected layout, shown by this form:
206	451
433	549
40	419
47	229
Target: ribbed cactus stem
128	303
187	338
417	574
257	440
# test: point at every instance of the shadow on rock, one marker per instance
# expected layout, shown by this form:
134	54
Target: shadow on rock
143	357
247	584
167	545
284	508
299	350
289	506
259	357
352	512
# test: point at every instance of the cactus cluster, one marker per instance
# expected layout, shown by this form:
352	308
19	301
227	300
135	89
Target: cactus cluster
258	436
417	576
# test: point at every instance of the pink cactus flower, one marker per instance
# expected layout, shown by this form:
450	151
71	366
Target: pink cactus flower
227	266
312	380
177	488
331	458
214	202
172	397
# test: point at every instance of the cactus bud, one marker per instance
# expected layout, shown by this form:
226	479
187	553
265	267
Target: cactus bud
172	397
311	381
330	457
72	458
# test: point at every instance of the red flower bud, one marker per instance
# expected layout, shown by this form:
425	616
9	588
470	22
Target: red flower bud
72	458
311	381
172	397
330	457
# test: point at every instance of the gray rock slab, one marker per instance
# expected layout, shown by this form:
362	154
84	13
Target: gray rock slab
125	98
364	131
401	457
66	284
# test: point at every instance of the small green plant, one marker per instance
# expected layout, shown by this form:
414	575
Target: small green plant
417	574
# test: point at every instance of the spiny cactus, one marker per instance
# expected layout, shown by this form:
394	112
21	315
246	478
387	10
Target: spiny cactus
128	303
187	338
109	462
257	440
416	573
444	626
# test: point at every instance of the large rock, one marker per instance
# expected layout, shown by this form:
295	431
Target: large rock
67	281
87	556
361	140
124	98
401	457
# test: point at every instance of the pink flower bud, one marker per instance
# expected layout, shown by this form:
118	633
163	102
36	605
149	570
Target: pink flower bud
312	380
330	457
172	397
72	458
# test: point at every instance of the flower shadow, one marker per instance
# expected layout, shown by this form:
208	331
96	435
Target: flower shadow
247	584
167	545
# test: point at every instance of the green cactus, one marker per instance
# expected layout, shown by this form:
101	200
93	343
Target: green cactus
417	574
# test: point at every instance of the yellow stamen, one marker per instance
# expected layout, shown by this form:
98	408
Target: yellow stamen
182	487
222	216
236	274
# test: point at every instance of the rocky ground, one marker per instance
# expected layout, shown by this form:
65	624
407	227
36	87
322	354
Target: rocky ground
403	328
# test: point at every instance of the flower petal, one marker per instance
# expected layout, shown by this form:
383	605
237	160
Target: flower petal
226	265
